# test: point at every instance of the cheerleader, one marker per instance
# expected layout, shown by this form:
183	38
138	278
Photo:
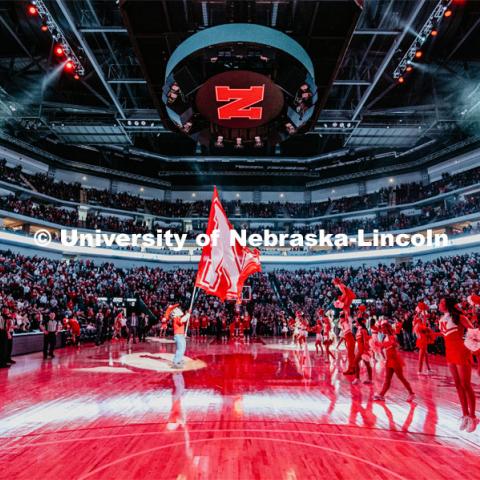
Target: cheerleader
318	332
374	348
120	326
459	359
474	301
327	336
297	327
345	300
362	354
349	339
74	328
394	363
284	329
163	327
303	331
423	334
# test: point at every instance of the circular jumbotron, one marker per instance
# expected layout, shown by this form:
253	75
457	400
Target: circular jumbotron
240	85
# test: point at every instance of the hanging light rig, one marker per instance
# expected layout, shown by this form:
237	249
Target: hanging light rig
62	49
430	29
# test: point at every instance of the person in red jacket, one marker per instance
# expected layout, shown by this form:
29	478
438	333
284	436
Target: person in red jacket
394	363
363	351
423	334
345	323
179	321
74	328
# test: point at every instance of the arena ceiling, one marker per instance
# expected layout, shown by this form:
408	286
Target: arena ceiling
368	119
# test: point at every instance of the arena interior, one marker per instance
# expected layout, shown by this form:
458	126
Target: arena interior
337	336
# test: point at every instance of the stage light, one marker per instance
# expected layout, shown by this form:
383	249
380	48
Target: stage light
448	13
409	68
76	76
69	66
32	10
434	33
44	27
59	50
401	80
418	54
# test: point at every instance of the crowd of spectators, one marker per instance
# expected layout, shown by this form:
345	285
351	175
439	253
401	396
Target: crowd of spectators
394	220
12	175
32	287
389	290
389	196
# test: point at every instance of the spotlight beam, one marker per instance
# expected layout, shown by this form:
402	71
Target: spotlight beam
414	51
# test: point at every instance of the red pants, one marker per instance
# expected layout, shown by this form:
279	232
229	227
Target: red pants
350	344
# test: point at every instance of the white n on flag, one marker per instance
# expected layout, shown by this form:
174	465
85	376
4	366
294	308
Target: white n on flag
223	267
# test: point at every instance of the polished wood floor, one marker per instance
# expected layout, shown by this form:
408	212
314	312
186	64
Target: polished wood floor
239	411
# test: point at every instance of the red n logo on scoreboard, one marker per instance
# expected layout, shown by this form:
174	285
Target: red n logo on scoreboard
241	101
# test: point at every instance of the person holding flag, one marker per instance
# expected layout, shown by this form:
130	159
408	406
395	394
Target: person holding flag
223	269
179	321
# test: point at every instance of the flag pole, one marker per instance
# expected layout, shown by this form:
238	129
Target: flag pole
190	309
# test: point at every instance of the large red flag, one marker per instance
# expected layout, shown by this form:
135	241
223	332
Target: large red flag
223	268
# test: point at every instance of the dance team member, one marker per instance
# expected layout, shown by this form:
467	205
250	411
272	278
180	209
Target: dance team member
363	352
474	302
345	323
327	336
374	348
285	329
424	335
318	329
344	302
393	365
74	328
459	359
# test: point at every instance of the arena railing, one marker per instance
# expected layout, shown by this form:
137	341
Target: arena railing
470	189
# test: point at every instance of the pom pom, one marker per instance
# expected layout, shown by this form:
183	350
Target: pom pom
421	307
472	339
474	299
